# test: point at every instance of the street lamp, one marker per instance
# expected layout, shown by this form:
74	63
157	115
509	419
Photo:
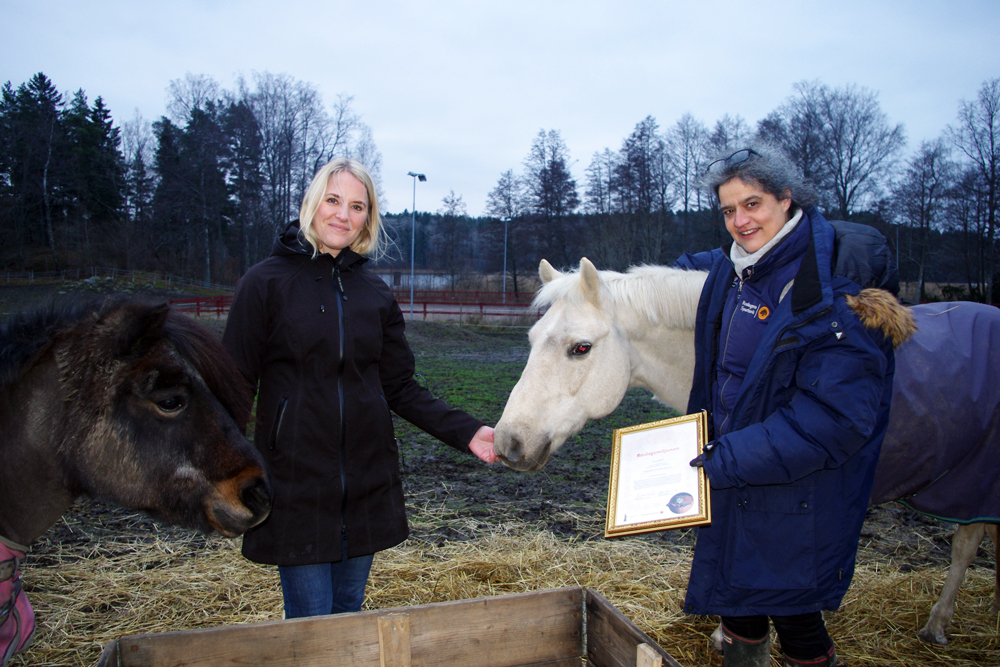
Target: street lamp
413	232
505	261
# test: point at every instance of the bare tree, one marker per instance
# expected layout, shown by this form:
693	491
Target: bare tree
686	142
796	127
729	134
315	141
860	146
194	91
600	175
298	136
507	202
451	243
453	205
919	200
363	150
967	219
840	139
977	135
611	233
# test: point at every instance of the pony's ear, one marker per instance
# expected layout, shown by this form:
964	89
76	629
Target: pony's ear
133	328
546	272
590	281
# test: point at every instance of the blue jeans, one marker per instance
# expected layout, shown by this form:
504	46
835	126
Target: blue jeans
324	588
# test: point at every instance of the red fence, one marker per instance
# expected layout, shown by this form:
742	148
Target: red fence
204	305
427	304
458	296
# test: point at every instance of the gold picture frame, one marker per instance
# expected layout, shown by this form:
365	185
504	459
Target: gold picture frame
653	486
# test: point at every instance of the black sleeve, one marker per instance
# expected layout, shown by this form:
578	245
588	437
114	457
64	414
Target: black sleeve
245	335
413	402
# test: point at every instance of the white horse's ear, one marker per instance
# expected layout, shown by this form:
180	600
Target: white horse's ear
590	281
546	272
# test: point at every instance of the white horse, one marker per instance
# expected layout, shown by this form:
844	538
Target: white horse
604	332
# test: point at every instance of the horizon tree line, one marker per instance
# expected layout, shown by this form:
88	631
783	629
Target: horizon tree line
200	192
203	190
643	204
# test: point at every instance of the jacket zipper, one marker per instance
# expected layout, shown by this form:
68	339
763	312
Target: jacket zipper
725	348
343	413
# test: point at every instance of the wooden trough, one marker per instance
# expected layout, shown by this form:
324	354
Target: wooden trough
555	628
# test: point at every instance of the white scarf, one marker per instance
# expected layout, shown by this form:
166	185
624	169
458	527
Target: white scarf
742	259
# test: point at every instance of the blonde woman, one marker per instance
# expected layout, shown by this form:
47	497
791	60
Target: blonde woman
321	338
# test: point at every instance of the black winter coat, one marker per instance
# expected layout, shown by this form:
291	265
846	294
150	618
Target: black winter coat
323	339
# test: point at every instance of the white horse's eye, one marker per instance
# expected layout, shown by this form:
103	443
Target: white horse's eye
580	349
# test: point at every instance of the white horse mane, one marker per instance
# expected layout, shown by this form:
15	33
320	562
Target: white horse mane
659	295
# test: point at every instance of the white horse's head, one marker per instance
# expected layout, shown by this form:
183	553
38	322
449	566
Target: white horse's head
578	369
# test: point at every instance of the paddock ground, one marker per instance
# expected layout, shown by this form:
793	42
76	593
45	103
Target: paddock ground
103	572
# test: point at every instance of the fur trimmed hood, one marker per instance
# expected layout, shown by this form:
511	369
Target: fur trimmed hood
878	309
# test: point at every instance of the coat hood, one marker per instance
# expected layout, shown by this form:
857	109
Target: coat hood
879	310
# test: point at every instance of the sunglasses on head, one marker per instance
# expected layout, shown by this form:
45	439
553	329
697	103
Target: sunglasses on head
736	158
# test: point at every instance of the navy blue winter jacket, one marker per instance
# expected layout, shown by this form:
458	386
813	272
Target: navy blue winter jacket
792	471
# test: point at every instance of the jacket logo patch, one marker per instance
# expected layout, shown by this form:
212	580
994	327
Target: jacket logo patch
763	312
749	308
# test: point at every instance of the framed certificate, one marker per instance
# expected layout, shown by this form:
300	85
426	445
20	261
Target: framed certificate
653	486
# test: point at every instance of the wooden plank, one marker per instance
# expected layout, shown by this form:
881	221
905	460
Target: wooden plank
612	638
646	656
502	631
109	656
394	640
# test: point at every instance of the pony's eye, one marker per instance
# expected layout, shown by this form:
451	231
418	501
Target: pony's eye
171	403
580	349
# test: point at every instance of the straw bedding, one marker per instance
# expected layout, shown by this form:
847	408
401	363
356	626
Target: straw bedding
105	573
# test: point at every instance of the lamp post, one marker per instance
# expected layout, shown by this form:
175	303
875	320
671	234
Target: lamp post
413	232
505	222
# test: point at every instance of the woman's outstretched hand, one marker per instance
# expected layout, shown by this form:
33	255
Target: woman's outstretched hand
482	445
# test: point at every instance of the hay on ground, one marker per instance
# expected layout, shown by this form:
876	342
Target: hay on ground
85	599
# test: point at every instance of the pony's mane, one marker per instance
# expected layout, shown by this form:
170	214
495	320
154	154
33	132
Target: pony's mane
26	333
657	294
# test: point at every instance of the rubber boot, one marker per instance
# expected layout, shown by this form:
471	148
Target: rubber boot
828	659
741	652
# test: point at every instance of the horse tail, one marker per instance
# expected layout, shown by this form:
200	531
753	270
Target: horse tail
879	309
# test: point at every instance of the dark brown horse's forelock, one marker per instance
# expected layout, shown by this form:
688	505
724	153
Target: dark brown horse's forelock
203	350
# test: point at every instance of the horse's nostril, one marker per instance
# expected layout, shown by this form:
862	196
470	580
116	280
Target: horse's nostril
256	495
515	452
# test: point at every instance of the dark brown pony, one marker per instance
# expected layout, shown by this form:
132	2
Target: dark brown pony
129	402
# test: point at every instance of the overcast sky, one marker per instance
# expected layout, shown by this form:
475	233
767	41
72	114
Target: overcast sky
458	90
